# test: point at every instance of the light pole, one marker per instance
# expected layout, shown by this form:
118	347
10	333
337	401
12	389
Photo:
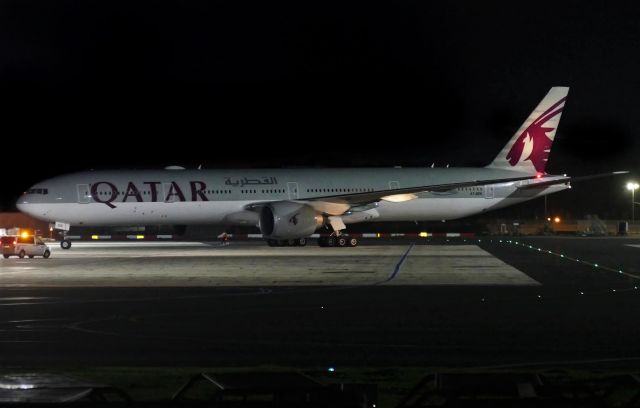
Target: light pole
633	186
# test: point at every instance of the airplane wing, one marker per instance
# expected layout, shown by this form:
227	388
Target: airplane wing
567	179
339	203
373	196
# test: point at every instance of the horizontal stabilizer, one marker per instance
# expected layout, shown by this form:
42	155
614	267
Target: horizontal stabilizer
562	180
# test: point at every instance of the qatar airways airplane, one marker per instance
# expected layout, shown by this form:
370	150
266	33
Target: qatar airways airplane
288	205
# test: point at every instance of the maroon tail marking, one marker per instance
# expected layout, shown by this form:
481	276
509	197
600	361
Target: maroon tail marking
541	142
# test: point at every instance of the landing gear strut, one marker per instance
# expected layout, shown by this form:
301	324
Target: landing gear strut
287	242
340	241
337	239
63	230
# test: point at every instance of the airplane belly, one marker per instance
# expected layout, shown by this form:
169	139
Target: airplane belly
434	209
128	214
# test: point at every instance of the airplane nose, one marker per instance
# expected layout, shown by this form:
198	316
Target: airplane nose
20	205
23	205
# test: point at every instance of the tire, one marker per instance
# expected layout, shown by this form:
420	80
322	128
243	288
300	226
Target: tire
331	241
271	242
342	242
6	256
291	242
302	242
21	254
65	244
46	254
353	242
30	256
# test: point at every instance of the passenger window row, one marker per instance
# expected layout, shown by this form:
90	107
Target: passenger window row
339	190
37	191
264	191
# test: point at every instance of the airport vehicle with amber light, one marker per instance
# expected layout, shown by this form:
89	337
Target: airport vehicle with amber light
24	245
288	205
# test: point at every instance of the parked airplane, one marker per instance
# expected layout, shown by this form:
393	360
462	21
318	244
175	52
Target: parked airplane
288	205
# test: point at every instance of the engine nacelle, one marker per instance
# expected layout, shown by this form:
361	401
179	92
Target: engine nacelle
287	220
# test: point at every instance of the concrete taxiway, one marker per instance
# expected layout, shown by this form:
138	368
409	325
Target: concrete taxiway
255	264
437	303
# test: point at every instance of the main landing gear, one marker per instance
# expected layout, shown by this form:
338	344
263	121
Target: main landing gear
65	244
339	241
286	242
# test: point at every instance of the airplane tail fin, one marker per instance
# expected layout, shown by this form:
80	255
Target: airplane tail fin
528	150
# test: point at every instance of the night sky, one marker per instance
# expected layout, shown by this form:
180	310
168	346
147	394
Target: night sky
109	84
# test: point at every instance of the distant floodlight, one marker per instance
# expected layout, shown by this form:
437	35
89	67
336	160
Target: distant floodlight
633	186
556	220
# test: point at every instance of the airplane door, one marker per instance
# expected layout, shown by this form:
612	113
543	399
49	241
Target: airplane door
488	191
292	189
394	185
84	194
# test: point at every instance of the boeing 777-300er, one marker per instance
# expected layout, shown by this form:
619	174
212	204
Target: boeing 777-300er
288	205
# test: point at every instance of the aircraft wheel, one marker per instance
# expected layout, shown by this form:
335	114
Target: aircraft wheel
65	244
291	242
331	241
302	241
353	242
21	254
342	242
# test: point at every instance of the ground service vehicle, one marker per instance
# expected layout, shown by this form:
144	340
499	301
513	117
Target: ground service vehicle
24	245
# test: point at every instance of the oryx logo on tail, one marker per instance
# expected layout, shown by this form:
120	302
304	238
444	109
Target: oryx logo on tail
528	149
534	144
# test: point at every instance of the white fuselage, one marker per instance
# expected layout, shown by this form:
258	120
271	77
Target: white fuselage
183	197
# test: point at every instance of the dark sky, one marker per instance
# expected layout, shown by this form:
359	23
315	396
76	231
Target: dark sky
110	84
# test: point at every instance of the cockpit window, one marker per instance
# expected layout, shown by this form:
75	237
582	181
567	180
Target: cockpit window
37	191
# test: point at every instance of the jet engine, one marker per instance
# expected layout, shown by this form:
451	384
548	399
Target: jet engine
287	220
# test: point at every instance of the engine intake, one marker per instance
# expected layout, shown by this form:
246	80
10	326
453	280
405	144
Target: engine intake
287	220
